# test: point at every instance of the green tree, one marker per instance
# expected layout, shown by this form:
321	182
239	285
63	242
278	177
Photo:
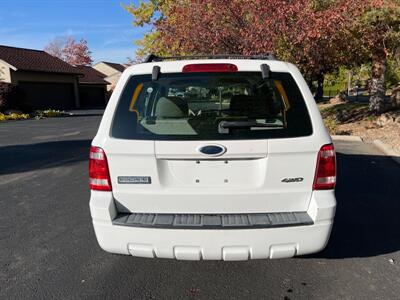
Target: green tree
392	73
149	13
380	33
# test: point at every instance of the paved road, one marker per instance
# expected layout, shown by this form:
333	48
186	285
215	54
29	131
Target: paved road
48	248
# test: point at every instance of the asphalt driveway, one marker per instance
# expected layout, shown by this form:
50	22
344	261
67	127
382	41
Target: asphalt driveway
48	249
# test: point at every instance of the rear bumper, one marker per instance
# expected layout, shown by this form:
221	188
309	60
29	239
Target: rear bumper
213	244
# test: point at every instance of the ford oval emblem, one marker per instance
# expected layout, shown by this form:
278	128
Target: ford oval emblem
212	150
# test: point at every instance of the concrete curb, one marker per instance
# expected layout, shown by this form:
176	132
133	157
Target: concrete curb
347	138
389	151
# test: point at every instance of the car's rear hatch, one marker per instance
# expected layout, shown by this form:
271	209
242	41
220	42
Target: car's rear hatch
169	153
263	179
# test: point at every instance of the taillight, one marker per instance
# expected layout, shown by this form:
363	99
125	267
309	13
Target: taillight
209	68
99	175
325	175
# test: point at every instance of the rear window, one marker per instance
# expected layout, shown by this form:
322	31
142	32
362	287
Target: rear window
211	106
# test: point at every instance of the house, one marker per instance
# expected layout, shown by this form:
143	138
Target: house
112	71
92	88
44	81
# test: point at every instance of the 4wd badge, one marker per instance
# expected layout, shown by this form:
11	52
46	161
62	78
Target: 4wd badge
291	180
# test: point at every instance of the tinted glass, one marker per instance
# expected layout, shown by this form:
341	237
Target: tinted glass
211	106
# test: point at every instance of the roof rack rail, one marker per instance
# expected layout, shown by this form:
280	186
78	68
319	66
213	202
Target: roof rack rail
152	57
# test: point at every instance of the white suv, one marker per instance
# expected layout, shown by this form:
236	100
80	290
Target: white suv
221	158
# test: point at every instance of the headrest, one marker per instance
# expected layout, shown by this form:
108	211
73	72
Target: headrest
241	103
250	106
171	107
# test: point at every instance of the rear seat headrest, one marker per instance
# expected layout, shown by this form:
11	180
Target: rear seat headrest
250	106
241	103
171	107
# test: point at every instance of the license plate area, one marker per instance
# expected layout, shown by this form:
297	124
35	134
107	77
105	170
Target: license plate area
213	173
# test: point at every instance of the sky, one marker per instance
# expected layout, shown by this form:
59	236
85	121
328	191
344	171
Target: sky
103	23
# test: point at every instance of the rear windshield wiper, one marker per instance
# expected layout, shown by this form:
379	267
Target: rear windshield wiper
224	126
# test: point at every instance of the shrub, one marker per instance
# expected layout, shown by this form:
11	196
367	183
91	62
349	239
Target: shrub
331	125
49	113
39	114
13	116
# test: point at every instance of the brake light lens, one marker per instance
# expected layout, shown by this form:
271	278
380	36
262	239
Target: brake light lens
99	175
325	175
209	68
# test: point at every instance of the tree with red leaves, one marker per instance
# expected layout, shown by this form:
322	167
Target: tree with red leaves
312	34
77	53
55	47
317	35
70	51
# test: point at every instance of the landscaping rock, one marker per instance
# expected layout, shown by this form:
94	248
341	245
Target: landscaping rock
338	99
388	118
335	100
342	116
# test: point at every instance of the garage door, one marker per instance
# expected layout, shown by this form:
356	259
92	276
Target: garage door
48	95
92	97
